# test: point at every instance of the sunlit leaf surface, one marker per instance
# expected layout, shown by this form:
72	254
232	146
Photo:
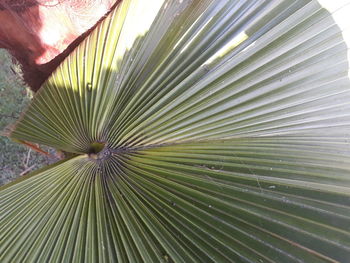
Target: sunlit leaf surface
204	131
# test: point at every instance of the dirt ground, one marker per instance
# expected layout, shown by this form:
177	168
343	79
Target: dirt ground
15	159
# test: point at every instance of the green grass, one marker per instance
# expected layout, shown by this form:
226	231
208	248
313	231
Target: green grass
14	97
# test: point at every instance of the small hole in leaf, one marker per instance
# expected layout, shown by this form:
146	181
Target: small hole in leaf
89	86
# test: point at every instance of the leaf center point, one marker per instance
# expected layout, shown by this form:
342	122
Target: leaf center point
96	149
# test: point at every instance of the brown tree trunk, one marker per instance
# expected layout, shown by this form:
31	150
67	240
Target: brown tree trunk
40	34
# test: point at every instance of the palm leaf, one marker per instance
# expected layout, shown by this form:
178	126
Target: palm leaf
205	131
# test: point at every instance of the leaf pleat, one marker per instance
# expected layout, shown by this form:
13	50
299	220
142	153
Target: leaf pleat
224	128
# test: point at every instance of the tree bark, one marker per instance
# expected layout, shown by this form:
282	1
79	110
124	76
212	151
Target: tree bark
40	34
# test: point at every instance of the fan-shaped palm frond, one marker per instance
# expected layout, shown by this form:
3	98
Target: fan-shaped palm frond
203	131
